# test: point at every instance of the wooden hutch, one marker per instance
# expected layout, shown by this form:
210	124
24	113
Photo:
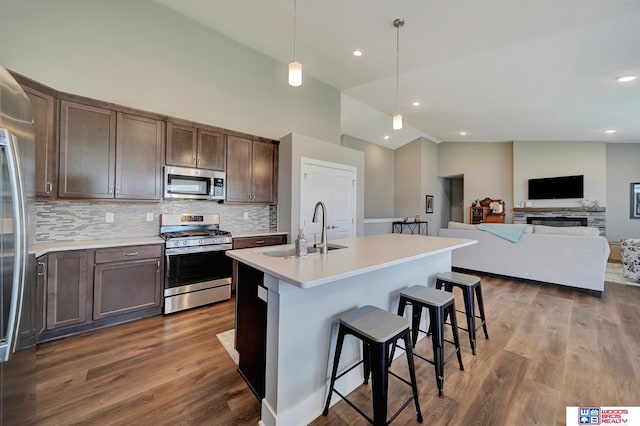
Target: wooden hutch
487	211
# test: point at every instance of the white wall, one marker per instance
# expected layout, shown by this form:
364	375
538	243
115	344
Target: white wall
623	168
487	169
550	159
378	177
292	148
142	54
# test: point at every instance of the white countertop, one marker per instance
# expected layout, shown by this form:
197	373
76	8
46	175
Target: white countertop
362	254
44	248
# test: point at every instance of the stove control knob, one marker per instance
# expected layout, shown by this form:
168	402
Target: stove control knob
201	242
184	243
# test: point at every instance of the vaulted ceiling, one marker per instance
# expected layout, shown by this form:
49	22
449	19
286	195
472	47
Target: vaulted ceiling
498	70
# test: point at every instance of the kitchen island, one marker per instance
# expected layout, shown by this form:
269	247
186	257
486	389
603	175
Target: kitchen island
305	296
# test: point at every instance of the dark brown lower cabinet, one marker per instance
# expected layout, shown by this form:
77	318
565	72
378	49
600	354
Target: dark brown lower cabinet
89	289
123	287
251	326
68	287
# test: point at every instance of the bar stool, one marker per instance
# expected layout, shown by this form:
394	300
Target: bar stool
377	329
468	283
438	303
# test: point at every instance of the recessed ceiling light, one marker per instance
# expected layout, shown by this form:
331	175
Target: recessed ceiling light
357	52
386	137
416	103
463	133
610	131
626	78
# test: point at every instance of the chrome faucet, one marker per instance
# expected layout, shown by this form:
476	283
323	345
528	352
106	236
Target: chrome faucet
323	240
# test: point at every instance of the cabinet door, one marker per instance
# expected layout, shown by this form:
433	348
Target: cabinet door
182	144
67	287
251	327
238	184
264	160
44	117
122	287
87	151
262	241
41	295
211	150
139	158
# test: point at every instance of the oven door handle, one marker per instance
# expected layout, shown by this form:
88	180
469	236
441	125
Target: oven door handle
197	249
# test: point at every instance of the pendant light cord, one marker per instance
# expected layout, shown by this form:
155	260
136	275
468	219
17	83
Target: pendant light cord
398	23
295	16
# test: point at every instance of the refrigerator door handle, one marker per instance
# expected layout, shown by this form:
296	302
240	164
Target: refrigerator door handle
14	168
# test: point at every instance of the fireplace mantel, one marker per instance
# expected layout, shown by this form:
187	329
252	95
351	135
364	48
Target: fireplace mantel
559	209
596	216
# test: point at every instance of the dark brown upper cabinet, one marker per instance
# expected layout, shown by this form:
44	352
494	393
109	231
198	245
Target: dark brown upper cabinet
190	146
251	171
106	154
44	116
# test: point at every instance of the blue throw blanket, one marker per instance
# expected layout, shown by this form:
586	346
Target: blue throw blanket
511	232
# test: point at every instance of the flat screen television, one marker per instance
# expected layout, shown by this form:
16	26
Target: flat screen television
556	187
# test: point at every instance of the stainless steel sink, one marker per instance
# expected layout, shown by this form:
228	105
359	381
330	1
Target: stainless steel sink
291	252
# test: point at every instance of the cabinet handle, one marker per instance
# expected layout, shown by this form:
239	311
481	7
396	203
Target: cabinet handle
49	187
117	191
41	271
158	266
199	162
110	189
259	241
133	253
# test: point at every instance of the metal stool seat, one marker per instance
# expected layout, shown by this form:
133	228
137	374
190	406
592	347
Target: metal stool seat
438	303
377	329
469	284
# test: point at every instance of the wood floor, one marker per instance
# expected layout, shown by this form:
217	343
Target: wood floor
550	347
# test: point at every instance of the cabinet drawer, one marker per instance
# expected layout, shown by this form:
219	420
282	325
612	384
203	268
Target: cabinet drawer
128	253
267	240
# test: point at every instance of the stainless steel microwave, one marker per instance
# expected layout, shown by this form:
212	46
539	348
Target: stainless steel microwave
191	183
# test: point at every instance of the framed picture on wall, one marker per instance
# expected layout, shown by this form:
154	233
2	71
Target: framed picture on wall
635	201
429	204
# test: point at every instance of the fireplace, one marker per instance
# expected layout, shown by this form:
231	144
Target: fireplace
557	221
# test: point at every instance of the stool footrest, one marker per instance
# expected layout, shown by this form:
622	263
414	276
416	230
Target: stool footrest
355	407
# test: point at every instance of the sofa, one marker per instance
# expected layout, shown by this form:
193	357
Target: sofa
570	256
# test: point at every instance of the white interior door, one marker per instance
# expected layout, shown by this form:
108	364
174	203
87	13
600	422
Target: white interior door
335	185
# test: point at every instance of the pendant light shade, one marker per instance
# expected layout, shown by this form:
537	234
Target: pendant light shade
397	119
295	67
295	74
397	122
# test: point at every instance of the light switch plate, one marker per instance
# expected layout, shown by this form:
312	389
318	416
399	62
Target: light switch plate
246	215
110	217
149	217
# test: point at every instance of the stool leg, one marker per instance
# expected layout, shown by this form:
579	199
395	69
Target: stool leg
481	309
416	315
412	374
334	372
379	382
469	309
454	330
366	361
401	305
437	319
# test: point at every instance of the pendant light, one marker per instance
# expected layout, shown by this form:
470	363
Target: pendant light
295	67
397	119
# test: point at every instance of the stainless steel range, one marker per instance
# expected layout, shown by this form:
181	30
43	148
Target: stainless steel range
197	270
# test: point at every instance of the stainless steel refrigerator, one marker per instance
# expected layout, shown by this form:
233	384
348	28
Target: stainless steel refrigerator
17	283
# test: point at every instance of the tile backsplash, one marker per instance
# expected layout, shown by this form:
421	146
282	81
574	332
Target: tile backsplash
72	220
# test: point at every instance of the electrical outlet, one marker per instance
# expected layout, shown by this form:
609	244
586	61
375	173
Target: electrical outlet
110	217
246	215
149	217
